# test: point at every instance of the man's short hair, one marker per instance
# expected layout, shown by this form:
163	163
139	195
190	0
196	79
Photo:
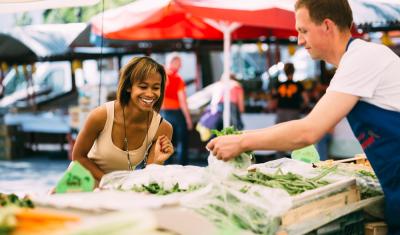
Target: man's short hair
289	69
338	11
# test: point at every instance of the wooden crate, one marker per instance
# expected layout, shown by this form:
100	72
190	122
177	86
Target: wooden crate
316	208
326	216
376	228
316	202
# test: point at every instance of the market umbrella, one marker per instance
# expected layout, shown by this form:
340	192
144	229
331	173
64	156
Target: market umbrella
145	20
227	16
164	25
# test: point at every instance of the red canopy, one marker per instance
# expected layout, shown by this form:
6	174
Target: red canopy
172	19
152	20
261	13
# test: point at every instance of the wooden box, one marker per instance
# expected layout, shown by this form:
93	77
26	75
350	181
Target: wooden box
315	208
376	228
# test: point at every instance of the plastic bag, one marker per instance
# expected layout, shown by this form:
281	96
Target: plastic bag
235	206
168	177
224	169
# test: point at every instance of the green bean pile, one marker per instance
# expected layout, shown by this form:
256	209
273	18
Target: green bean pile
290	182
227	210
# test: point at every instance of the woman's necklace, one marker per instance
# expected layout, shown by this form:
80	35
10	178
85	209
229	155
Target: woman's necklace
130	167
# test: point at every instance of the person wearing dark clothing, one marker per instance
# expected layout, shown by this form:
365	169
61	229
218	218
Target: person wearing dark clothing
290	96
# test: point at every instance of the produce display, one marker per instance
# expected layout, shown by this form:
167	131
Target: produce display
234	197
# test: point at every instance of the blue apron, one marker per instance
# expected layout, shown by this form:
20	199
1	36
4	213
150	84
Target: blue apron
378	131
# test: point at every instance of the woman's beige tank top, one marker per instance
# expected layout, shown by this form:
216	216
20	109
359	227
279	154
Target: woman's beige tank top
109	157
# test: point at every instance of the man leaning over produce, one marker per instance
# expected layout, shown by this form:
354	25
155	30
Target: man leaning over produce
365	89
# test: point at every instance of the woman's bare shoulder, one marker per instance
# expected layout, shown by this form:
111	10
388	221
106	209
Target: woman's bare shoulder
97	117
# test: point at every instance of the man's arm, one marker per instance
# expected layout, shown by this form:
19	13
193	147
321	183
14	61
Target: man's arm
331	108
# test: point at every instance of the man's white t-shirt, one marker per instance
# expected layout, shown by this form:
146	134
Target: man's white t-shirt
370	71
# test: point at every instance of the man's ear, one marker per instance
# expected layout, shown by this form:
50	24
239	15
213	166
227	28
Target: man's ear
328	25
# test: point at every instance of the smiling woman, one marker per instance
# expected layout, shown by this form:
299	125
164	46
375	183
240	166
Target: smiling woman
129	131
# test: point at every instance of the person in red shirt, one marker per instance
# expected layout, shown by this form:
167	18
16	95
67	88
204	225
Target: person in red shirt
175	108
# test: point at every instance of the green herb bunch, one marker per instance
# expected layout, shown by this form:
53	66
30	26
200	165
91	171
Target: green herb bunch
241	160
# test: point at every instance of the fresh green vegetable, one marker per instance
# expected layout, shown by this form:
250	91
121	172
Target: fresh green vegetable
8	220
229	212
367	173
290	182
155	188
242	160
13	200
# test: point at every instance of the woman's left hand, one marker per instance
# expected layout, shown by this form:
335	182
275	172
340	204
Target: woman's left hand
163	149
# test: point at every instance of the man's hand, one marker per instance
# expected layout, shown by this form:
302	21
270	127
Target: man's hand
163	149
226	147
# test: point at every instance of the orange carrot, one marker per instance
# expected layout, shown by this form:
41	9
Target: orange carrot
43	215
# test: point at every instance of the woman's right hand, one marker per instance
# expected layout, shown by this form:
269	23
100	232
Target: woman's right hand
163	149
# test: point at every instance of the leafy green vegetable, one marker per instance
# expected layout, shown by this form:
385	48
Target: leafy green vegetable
13	200
155	188
242	160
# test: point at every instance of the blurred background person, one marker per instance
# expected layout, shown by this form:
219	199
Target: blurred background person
212	118
175	109
290	97
319	90
236	102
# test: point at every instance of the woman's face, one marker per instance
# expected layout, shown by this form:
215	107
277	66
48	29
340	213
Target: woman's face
144	94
